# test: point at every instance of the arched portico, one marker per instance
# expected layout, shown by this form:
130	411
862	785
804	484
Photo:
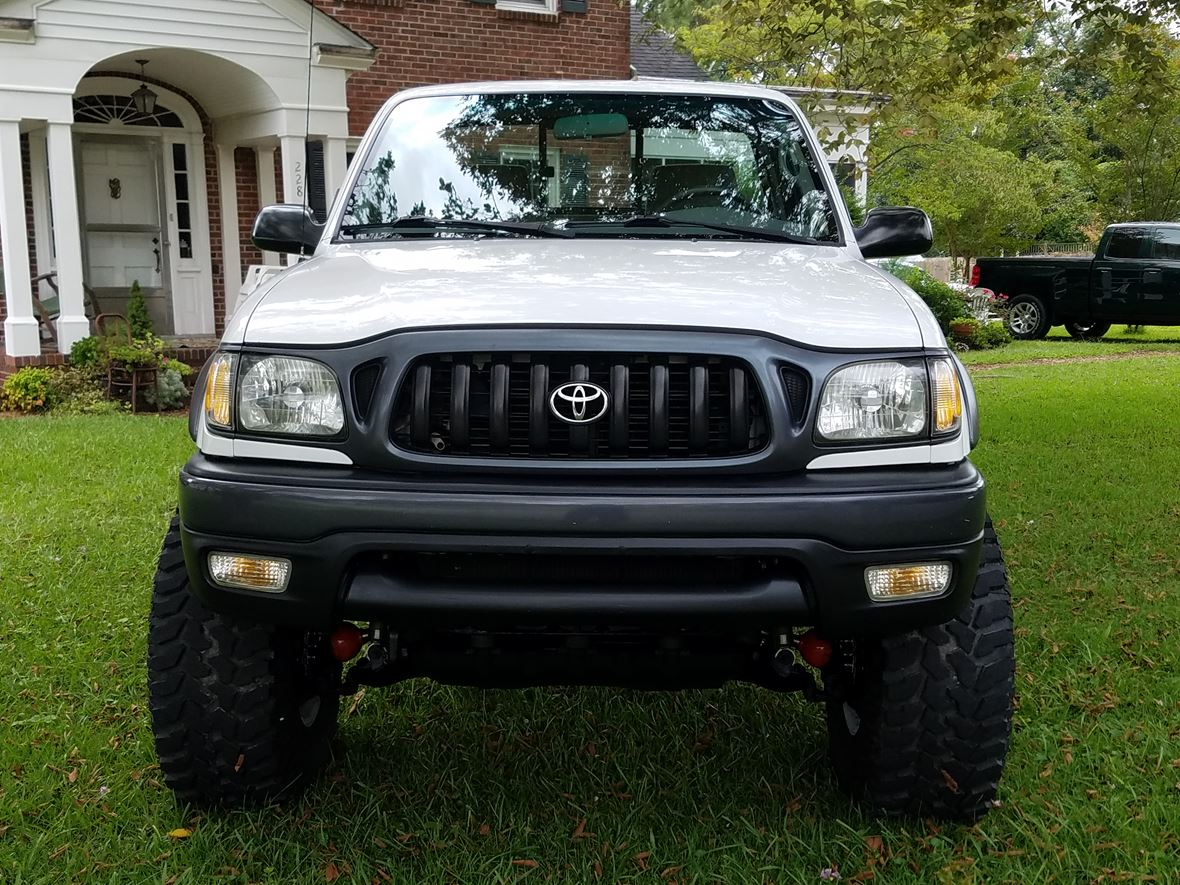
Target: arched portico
115	195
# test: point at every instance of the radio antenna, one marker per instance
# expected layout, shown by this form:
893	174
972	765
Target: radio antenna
307	125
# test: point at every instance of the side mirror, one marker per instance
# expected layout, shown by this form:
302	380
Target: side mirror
286	228
895	231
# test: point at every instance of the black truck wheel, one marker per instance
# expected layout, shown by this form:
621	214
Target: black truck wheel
1087	331
242	713
1028	317
924	728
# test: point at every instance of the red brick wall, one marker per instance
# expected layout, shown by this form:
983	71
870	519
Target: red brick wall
246	172
421	42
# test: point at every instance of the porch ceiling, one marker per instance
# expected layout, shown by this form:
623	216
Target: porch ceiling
221	87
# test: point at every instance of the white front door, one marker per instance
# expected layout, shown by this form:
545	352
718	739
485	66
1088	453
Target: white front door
122	220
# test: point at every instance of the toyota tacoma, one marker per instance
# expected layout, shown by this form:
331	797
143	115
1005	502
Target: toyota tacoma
585	383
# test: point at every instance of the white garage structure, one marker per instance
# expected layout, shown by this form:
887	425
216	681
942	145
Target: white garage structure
123	191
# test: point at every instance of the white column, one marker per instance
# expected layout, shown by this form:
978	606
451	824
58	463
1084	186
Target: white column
266	188
335	166
294	169
294	174
231	250
22	337
42	217
72	325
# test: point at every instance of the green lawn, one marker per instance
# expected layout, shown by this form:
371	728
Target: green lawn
1059	345
445	785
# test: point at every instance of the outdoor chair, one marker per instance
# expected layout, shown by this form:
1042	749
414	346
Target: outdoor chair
114	329
49	309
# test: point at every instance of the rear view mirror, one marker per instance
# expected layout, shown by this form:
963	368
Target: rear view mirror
895	231
591	126
288	229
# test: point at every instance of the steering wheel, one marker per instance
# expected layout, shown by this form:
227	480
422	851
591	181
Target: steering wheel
674	202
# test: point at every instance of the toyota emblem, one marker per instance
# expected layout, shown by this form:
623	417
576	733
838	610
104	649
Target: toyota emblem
579	402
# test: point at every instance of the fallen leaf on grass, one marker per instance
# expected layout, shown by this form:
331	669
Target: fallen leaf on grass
180	833
527	863
72	776
641	859
669	872
951	783
485	829
356	702
331	872
579	831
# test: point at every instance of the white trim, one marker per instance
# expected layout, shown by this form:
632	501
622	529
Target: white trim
231	247
22	335
951	452
250	448
538	7
72	324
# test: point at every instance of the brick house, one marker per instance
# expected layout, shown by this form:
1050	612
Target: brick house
138	140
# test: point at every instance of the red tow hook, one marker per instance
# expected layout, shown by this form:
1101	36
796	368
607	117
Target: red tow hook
816	650
346	641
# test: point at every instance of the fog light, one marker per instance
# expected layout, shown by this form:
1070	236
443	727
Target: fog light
249	572
913	581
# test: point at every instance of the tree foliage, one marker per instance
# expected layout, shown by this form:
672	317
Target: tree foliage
1009	121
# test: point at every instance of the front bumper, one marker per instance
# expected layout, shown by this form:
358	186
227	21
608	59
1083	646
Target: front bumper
338	526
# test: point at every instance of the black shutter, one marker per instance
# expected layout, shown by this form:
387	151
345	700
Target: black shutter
317	190
574	5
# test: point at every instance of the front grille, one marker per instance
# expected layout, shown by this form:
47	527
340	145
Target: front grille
662	406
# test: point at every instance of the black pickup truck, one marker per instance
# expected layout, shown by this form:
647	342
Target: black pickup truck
1133	278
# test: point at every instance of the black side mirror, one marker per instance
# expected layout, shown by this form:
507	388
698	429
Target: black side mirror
895	231
286	228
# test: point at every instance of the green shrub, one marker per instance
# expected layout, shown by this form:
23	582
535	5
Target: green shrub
182	369
170	392
29	389
142	352
87	353
944	302
992	335
77	391
137	313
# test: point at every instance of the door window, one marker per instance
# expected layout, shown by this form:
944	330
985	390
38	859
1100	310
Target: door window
1126	243
1165	244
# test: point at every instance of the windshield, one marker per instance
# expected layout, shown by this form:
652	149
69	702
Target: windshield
590	165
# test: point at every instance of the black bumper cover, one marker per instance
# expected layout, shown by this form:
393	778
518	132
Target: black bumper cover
827	527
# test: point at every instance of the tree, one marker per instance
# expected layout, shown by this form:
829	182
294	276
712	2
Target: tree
980	197
1137	175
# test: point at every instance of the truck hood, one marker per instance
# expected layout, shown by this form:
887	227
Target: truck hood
814	295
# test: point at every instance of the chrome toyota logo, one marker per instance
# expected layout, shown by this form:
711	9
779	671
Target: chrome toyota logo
579	402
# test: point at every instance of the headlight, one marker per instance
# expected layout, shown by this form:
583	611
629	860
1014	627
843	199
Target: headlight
280	394
877	400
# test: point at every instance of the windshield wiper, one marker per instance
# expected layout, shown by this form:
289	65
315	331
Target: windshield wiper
741	230
526	228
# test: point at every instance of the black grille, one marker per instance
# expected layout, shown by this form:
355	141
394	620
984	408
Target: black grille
662	406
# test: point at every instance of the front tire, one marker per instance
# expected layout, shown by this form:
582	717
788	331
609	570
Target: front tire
925	724
242	713
1028	317
1087	331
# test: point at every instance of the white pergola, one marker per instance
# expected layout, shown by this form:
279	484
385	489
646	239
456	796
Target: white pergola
248	69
